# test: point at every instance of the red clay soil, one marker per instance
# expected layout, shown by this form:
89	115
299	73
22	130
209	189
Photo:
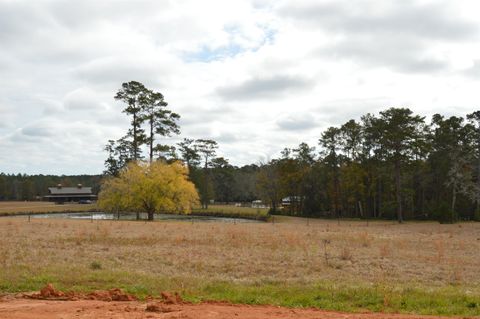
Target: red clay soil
114	303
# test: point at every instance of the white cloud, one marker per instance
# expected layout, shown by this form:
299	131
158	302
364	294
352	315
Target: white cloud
256	75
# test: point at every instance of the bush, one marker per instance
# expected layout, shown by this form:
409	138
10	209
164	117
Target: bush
476	216
95	265
443	213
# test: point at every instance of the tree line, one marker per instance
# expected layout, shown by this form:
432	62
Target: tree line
394	164
21	187
391	165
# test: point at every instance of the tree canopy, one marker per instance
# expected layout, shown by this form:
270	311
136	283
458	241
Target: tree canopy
147	108
154	187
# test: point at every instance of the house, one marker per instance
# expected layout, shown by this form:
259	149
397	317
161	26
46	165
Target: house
289	200
258	204
292	204
61	194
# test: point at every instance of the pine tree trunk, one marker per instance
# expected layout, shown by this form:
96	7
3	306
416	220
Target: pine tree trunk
454	199
205	179
379	199
336	190
478	178
151	140
274	206
135	142
398	185
423	201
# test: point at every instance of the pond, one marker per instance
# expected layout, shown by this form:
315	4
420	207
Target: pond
143	216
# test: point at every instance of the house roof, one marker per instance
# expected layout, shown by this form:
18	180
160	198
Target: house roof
70	190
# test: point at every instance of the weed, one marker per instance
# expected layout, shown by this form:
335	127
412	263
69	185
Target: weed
457	276
385	250
346	254
95	265
326	242
439	249
365	239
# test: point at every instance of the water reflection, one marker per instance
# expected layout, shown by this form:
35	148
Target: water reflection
143	216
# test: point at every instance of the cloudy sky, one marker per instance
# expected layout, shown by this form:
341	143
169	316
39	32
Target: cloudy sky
255	75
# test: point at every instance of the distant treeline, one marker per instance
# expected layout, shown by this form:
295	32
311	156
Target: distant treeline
393	165
34	187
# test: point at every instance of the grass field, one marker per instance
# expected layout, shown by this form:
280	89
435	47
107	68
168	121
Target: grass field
233	211
424	268
18	208
12	208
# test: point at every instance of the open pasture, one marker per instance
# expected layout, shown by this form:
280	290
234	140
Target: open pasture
232	211
413	267
12	208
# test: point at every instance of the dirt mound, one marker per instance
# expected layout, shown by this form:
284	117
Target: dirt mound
114	294
159	307
168	298
49	292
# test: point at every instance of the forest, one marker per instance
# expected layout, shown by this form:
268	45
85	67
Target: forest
393	165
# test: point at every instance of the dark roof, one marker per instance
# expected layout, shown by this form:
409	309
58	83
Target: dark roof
70	196
70	190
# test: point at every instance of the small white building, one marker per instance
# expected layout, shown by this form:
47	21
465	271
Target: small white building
258	204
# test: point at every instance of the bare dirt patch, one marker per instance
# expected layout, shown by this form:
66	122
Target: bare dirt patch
114	303
89	309
50	293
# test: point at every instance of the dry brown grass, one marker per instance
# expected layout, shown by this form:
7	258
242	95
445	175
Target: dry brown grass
291	251
41	207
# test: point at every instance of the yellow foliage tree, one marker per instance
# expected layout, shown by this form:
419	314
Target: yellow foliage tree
149	187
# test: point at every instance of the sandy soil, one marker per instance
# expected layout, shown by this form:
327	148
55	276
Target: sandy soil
53	304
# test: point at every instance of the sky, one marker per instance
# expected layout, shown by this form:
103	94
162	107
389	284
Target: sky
255	75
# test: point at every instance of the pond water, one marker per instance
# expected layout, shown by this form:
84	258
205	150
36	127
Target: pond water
143	216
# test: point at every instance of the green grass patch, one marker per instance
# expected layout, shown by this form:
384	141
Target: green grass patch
32	208
448	300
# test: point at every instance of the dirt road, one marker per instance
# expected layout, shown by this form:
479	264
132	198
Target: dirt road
96	309
50	303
